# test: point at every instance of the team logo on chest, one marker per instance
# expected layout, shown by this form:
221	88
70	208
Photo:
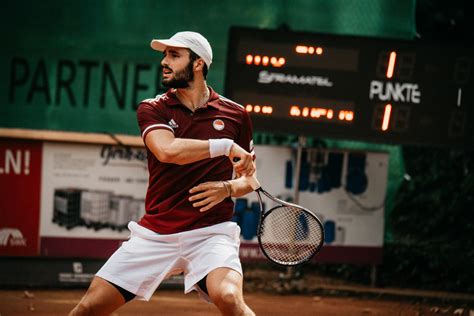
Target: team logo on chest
218	125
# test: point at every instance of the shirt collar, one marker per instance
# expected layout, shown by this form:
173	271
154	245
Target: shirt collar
173	100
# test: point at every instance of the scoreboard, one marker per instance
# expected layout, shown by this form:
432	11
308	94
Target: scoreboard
348	87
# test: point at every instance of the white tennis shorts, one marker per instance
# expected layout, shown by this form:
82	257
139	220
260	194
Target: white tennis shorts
147	258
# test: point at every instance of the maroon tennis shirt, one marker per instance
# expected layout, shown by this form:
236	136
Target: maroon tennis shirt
167	207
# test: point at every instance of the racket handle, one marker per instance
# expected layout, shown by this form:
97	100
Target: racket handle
250	180
253	182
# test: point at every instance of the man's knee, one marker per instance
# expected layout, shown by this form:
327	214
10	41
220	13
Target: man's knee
231	302
229	298
81	309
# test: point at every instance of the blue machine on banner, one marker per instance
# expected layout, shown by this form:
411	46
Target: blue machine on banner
247	217
323	171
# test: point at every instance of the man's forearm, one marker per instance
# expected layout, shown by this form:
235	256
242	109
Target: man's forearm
183	151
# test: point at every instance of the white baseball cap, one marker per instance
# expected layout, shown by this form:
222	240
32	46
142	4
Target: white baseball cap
192	40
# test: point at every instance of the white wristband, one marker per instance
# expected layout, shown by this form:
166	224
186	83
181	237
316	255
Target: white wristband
220	147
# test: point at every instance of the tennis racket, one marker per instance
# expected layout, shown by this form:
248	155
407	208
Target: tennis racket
288	234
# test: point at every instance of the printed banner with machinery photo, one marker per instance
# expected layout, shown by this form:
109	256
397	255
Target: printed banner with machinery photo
89	194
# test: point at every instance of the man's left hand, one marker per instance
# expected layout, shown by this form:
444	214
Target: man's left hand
208	194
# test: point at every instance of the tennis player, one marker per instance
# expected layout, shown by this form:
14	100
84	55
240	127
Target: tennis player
192	135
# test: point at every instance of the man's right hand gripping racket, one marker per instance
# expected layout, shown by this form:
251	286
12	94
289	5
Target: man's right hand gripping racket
288	234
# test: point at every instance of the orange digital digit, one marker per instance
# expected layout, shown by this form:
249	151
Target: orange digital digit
391	64
386	117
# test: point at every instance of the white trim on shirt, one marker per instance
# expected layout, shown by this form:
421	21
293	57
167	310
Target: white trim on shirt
157	125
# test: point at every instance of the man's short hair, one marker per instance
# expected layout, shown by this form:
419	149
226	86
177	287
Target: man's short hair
192	57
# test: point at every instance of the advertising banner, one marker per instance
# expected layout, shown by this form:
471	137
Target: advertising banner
89	194
20	176
76	93
346	190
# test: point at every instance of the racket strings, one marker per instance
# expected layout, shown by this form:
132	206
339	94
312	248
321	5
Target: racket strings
290	235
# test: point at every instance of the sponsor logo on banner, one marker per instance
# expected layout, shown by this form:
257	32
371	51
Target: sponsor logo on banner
11	237
250	251
126	153
77	276
267	77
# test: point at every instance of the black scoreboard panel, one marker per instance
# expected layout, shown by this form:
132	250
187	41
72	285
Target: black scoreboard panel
389	91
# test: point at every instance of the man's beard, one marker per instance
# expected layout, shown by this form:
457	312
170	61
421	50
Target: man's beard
181	78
